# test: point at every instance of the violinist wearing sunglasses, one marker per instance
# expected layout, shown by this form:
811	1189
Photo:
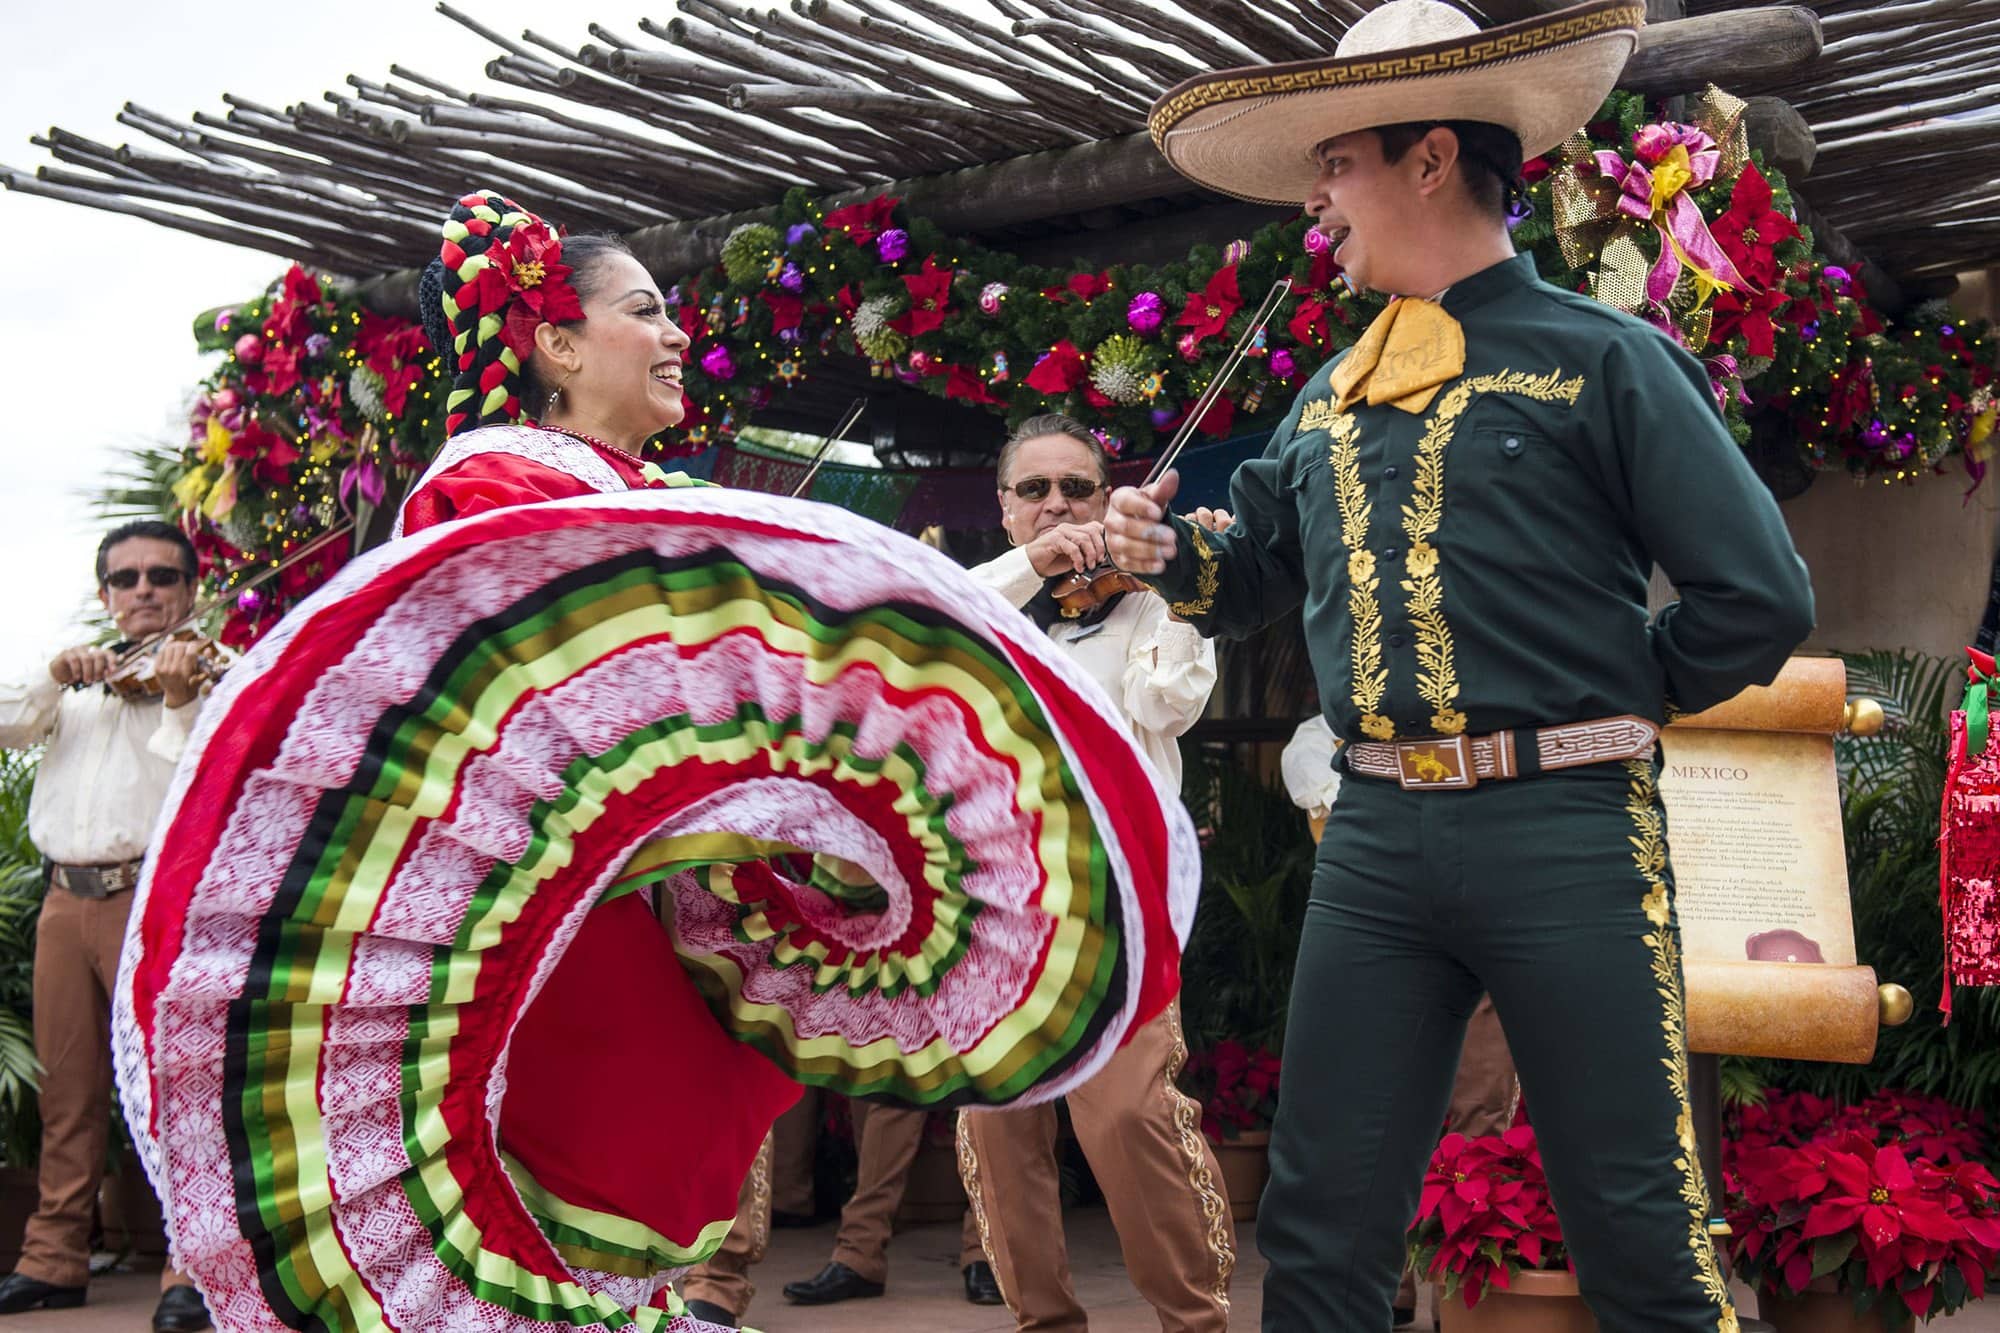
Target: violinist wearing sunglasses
1158	1174
107	763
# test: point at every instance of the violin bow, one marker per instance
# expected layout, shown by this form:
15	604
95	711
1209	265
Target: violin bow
1272	300
854	411
201	610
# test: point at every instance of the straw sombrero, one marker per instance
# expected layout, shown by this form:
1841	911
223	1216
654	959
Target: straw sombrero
1250	132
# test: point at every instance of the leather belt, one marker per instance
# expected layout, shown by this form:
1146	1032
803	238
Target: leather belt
100	881
1457	763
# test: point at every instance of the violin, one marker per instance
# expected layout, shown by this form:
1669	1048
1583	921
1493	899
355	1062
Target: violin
1085	590
137	677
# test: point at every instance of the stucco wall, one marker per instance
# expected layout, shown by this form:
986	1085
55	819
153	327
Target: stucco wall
1899	566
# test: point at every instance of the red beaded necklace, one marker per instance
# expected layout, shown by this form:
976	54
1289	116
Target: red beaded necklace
596	443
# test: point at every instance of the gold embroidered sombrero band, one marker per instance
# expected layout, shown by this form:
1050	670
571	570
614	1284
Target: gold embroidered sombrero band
1250	132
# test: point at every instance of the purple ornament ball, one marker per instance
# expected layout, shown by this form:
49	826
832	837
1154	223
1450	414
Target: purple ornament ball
893	245
1282	364
800	231
792	278
1163	416
1316	242
250	349
1146	312
717	364
250	601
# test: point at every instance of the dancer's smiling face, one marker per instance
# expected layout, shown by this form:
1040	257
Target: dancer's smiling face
619	369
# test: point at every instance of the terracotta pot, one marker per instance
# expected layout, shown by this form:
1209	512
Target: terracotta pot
1821	1309
18	1196
1246	1166
1537	1302
934	1192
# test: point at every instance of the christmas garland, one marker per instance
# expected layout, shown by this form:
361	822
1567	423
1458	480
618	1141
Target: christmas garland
319	406
318	410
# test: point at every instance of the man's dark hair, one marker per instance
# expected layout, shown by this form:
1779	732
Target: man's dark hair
1490	156
151	528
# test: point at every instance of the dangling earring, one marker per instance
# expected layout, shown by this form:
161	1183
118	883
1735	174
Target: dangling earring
556	396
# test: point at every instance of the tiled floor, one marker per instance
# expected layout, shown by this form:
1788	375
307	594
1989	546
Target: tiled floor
925	1294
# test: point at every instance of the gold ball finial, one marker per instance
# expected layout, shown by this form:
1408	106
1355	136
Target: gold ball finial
1864	717
1893	1004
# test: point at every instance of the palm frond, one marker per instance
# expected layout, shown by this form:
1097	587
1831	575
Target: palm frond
141	486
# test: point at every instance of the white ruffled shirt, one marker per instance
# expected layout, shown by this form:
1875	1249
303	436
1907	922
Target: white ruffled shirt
104	776
1158	671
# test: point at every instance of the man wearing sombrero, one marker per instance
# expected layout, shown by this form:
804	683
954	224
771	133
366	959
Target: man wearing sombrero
1469	503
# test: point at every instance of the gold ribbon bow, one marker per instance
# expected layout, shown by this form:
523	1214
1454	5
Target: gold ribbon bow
1411	350
1592	231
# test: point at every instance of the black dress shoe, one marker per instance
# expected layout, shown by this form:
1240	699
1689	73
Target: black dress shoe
981	1287
835	1282
710	1313
181	1310
20	1293
792	1221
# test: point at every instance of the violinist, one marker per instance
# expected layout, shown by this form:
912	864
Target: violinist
1140	1133
103	778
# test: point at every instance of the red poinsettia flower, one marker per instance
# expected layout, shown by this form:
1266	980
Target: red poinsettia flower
864	221
281	368
1221	415
1209	309
1087	286
1308	325
1751	230
1484	1212
269	454
1534	169
290	319
530	263
1058	371
960	382
786	310
930	300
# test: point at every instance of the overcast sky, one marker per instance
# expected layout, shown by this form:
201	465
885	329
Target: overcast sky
96	308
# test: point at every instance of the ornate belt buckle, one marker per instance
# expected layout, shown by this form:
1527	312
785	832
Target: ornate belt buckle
1444	764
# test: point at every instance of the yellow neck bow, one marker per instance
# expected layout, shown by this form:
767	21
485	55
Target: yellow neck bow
1411	350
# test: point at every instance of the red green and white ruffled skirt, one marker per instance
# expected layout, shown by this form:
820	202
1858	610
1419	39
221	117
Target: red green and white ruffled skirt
402	1038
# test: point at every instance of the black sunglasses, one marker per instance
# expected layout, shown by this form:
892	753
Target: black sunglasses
159	576
1036	489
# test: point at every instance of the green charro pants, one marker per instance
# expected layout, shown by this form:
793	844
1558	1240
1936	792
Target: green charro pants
1554	894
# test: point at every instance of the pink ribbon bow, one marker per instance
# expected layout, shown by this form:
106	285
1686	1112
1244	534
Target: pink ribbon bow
1673	160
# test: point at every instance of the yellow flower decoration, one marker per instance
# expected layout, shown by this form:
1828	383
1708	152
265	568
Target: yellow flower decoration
189	490
1656	905
1448	721
1361	566
215	445
529	274
1377	726
324	448
1423	560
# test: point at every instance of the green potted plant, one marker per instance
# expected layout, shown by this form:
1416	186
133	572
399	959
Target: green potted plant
1486	1234
1236	975
20	1073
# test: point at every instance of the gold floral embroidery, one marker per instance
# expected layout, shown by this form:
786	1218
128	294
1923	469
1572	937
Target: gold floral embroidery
968	1174
1319	414
1370	677
1437	674
1649	855
1206	578
1201	1177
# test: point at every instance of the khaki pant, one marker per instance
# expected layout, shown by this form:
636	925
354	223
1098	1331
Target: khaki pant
1143	1138
724	1279
77	941
888	1137
794	1144
1482	1099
